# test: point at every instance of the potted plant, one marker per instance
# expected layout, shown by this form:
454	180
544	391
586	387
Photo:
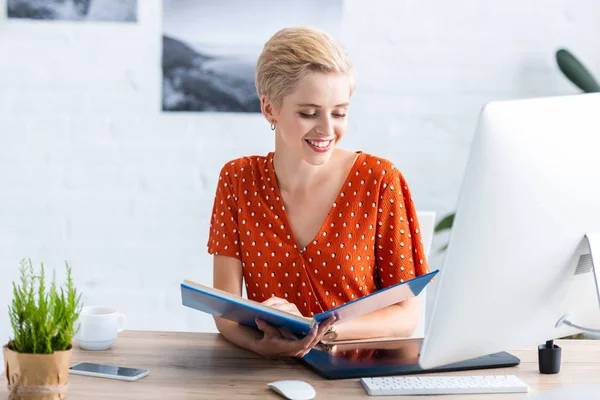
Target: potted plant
43	319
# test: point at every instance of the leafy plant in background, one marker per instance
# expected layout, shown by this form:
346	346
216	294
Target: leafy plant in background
444	225
578	74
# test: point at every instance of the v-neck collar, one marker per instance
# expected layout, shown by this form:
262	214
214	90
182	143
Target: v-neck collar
288	225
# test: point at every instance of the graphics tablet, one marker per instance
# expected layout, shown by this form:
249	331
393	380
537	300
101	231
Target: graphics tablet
388	357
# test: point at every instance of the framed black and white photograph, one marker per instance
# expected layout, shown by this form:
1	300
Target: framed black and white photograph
210	47
74	10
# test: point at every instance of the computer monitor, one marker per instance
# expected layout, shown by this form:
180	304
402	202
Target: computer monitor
518	260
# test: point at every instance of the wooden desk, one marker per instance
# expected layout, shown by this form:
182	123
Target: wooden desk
206	366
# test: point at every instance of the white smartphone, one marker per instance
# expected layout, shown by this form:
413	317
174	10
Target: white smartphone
108	371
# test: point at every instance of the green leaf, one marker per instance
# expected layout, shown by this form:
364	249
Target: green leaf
445	223
576	71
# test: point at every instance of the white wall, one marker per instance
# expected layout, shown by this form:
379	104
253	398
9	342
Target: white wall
92	172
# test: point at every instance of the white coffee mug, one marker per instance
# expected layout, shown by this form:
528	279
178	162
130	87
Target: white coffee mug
98	327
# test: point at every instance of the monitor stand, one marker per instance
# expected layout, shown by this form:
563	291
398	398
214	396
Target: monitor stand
549	354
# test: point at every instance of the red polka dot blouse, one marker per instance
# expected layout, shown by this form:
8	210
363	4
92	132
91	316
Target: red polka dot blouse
369	240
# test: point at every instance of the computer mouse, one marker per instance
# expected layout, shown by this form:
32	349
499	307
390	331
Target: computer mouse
293	390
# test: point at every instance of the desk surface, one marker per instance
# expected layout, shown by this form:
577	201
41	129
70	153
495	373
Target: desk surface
206	366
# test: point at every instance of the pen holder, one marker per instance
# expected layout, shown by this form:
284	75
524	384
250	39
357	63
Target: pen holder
549	359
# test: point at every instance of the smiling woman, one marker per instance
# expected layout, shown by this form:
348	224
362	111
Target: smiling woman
310	226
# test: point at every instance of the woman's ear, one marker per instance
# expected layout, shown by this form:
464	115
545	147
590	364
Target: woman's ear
268	110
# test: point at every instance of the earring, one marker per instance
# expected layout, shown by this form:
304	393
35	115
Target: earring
272	127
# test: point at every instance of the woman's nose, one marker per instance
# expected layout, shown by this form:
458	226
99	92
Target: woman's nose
326	127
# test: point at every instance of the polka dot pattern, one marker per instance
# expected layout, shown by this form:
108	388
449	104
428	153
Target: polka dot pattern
369	240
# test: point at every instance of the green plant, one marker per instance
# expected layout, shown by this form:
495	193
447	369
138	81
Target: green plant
42	319
577	73
444	225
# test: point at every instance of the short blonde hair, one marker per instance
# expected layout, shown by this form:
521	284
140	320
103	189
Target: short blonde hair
293	53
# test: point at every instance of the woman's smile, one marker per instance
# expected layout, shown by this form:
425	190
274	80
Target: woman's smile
320	145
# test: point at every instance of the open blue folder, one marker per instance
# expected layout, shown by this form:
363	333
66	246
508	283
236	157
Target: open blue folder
245	311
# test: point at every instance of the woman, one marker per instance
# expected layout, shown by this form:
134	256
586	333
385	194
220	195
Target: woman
311	226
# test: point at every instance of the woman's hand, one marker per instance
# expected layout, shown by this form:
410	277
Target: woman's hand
282	304
280	342
277	343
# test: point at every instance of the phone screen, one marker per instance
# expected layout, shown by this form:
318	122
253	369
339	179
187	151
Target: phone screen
107	369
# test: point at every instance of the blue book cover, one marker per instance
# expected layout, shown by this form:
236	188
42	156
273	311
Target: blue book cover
244	311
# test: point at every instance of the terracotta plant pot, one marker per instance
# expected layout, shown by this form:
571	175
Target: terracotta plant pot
37	376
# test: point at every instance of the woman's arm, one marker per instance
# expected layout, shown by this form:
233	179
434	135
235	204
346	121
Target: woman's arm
227	276
398	320
271	342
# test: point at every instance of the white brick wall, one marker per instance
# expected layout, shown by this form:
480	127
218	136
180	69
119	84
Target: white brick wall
92	172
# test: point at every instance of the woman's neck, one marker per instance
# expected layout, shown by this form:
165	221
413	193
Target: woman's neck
293	173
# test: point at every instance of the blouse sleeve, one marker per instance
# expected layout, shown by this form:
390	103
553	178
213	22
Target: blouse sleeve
224	238
399	245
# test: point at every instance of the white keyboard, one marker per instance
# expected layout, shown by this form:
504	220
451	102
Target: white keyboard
463	384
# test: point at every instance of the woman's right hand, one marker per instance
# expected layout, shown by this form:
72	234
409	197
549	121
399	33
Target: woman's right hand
280	342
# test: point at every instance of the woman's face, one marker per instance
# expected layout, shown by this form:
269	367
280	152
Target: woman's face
313	118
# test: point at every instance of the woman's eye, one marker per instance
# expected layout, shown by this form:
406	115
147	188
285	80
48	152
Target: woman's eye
305	115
